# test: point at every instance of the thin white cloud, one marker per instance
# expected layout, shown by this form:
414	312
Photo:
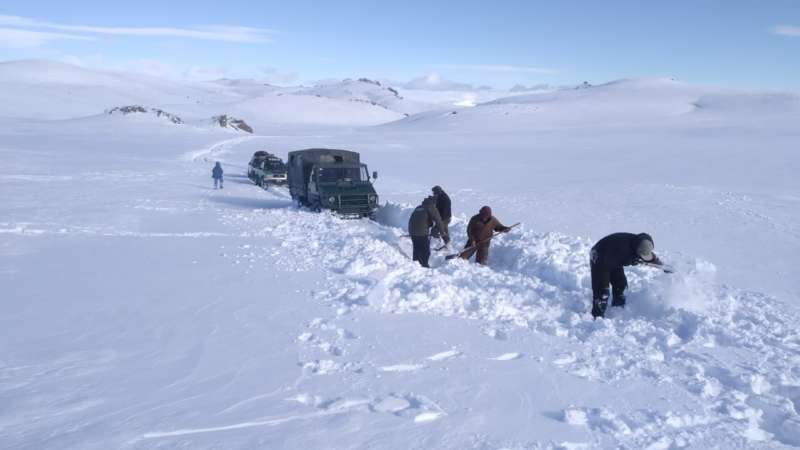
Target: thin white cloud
499	68
786	30
238	34
15	38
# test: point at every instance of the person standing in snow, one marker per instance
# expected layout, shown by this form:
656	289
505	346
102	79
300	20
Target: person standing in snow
216	174
443	206
608	257
480	229
422	218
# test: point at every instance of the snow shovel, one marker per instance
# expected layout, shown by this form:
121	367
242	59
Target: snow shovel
475	245
665	267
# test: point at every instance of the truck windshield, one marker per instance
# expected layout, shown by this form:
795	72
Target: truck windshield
275	165
334	174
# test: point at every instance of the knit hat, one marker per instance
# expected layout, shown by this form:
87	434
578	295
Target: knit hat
645	250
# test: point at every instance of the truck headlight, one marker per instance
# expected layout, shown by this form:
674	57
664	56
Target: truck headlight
373	198
331	199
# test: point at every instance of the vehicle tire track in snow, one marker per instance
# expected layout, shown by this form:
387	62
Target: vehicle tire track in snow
217	149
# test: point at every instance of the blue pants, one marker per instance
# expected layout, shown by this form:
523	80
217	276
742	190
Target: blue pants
218	182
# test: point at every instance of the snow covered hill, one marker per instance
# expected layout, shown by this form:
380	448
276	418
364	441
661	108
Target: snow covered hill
143	309
367	91
50	90
623	103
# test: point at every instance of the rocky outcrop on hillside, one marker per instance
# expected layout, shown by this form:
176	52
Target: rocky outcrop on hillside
138	109
232	123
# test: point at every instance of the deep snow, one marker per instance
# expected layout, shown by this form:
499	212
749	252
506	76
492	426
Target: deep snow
143	309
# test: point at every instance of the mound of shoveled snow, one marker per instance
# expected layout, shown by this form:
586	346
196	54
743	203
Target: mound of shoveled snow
731	354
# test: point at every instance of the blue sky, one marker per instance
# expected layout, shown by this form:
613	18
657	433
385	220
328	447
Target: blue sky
502	43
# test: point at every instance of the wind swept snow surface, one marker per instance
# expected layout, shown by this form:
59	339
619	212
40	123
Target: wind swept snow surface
144	309
730	356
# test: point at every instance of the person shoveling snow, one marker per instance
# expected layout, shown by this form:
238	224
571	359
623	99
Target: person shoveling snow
608	257
480	230
443	205
419	227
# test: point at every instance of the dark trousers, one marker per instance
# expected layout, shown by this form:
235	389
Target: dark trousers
482	251
217	182
602	276
422	249
444	232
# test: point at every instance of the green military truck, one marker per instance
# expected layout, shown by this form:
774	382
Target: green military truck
322	178
265	169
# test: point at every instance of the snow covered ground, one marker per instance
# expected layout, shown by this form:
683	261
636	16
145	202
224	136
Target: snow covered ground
143	309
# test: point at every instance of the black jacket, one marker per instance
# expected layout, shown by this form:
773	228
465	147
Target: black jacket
619	249
443	205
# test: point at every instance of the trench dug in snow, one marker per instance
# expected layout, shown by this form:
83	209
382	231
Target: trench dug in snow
668	333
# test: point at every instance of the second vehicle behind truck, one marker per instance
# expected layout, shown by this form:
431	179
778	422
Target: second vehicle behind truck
265	169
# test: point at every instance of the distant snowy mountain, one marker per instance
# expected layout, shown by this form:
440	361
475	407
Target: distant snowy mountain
246	87
367	91
52	90
623	102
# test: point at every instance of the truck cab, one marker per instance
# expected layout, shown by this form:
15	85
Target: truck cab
332	179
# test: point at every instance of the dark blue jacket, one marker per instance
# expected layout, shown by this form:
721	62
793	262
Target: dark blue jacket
619	249
216	172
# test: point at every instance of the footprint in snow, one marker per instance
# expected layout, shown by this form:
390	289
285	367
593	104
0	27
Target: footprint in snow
392	405
421	409
444	355
495	334
564	359
428	417
507	357
401	368
305	337
345	334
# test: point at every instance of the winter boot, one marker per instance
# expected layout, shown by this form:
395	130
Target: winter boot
599	305
619	300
